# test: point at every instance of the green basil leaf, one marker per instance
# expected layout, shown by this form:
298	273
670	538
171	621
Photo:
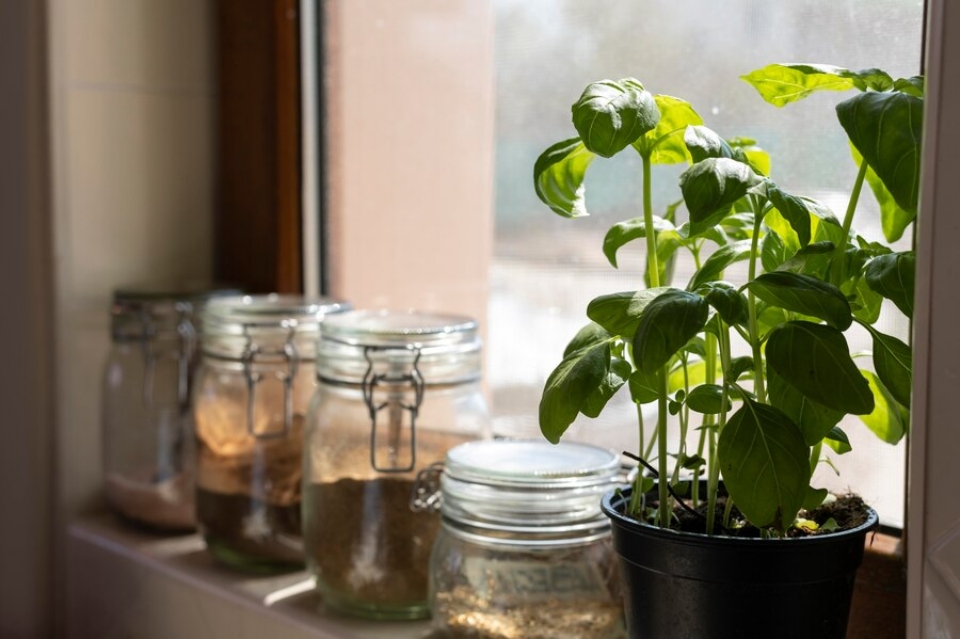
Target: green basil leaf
757	158
892	276
729	302
773	252
770	317
739	366
893	219
704	143
738	226
886	128
746	150
707	399
643	388
713	266
615	378
629	230
715	234
813	259
793	209
873	80
911	86
692	462
828	228
667	324
804	294
781	84
872	249
609	116
664	144
696	374
696	346
888	420
667	244
711	187
815	420
589	335
814	498
816	360
619	313
893	361
765	464
558	177
775	222
865	302
569	386
838	441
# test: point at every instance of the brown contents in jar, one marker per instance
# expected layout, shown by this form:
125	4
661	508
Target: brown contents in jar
465	615
248	489
366	543
267	468
252	527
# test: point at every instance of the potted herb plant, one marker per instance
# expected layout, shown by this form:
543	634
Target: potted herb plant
724	535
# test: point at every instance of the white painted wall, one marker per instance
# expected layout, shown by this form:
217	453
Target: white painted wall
132	95
132	90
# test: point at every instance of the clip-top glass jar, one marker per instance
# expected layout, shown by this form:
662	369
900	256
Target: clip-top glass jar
256	378
145	415
524	550
397	390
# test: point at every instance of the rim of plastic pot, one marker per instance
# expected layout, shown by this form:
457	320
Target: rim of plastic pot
719	558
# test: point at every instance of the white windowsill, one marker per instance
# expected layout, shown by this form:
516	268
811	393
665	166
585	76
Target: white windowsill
126	583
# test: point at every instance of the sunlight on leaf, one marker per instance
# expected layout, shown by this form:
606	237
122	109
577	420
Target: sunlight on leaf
888	420
665	143
558	177
781	84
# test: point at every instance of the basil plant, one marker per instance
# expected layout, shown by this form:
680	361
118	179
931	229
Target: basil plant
758	373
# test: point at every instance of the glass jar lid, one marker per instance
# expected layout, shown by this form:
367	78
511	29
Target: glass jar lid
444	349
235	326
146	310
528	486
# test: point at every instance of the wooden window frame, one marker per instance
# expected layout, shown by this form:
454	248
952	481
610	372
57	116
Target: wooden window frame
257	219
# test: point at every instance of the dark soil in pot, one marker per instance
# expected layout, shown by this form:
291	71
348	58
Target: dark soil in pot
845	513
681	585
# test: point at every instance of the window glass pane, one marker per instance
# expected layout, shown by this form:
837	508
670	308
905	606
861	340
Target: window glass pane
546	268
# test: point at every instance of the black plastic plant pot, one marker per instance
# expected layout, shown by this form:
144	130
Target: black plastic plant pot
693	586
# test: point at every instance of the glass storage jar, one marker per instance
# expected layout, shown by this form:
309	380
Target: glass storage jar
524	551
396	391
257	375
147	434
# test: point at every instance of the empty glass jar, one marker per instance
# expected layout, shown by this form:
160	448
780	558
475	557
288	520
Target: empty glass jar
145	414
397	390
257	375
524	551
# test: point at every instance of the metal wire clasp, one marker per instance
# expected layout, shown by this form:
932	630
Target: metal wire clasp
188	341
288	353
426	495
397	382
